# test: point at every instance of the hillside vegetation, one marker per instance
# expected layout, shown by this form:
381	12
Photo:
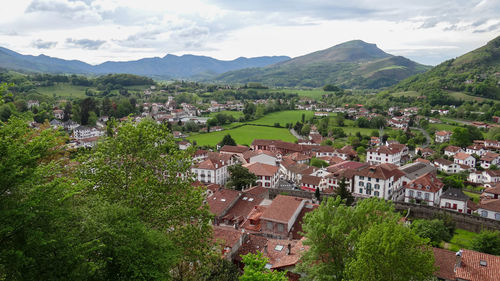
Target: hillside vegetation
354	64
476	73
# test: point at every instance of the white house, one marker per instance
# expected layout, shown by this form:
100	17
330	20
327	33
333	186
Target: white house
492	192
489	208
466	159
425	189
488	159
476	148
264	157
447	166
451	150
84	132
391	154
454	199
267	175
442	136
58	114
211	171
382	181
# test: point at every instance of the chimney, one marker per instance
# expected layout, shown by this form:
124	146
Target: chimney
265	249
458	262
288	249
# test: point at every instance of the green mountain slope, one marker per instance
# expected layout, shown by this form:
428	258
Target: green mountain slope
354	64
476	73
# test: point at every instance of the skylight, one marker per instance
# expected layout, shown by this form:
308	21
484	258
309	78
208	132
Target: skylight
278	247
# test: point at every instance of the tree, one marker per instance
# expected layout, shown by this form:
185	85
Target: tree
38	237
306	129
331	88
487	242
255	269
67	111
227	140
344	193
333	232
317	194
86	106
435	230
318	163
390	251
218	269
240	177
141	169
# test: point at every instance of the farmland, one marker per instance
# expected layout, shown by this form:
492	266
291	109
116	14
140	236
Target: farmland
283	117
244	135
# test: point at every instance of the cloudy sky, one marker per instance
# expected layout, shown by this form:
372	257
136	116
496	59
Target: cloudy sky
95	31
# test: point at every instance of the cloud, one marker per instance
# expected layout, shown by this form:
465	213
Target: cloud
85	43
40	44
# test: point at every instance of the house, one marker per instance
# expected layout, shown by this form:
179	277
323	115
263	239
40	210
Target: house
282	255
58	114
84	132
240	211
183	145
55	124
320	114
262	156
70	125
277	220
425	189
414	170
462	158
32	103
492	144
299	157
477	148
87	142
424	152
221	201
454	199
382	181
488	159
451	150
447	166
374	141
489	208
466	265
200	155
492	192
480	125
267	175
484	177
442	136
230	239
234	149
293	171
311	183
211	171
396	154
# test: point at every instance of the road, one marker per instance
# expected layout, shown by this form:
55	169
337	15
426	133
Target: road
292	131
427	137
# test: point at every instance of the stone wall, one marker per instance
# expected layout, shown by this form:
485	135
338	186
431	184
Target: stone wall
464	221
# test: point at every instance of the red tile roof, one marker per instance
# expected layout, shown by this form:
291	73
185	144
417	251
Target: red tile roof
443	133
234	149
261	169
452	148
282	208
226	236
494	190
428	182
444	260
382	171
462	156
471	268
221	200
490	204
246	203
311	180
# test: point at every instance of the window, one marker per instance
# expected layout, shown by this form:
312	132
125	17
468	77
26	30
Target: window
280	227
368	185
376	193
369	179
411	193
376	180
377	186
361	183
427	196
419	194
361	177
268	178
368	192
269	225
484	214
361	191
497	216
268	184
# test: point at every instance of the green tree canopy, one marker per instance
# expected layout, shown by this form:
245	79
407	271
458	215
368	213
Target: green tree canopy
344	193
255	269
434	229
240	177
227	140
390	251
487	242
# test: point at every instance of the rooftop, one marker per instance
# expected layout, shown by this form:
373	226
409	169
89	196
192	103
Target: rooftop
282	208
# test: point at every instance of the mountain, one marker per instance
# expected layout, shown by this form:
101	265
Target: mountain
476	73
353	64
168	67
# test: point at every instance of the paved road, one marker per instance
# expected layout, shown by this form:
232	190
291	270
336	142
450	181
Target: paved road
292	131
427	137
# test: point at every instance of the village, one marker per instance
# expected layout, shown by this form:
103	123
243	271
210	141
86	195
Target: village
267	216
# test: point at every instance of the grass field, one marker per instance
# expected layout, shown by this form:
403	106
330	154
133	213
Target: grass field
63	90
235	114
406	94
465	97
461	240
312	94
473	196
444	127
244	135
283	117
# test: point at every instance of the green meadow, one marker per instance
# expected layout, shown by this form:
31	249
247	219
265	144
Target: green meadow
244	135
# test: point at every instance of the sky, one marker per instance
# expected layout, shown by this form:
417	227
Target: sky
94	31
